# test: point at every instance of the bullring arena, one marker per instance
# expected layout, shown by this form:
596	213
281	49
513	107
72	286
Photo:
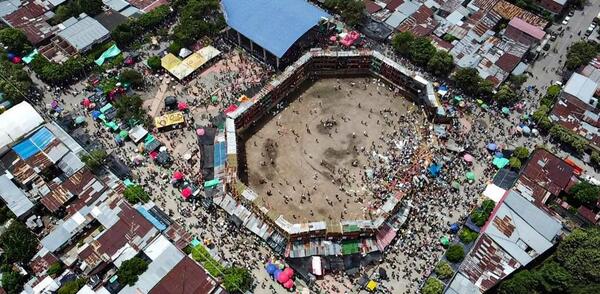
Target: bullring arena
309	161
316	153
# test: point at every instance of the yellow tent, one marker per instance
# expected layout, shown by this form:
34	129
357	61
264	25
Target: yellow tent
169	119
169	62
371	285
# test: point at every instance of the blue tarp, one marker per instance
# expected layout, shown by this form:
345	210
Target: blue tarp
220	153
158	224
34	144
273	24
434	170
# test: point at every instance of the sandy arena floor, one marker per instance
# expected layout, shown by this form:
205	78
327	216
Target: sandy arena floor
297	159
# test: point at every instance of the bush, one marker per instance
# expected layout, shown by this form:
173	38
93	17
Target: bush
352	11
130	270
127	32
467	235
455	253
443	270
432	286
12	281
201	255
15	41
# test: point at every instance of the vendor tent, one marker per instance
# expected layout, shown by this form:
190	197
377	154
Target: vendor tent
137	133
212	183
470	176
500	162
494	192
109	53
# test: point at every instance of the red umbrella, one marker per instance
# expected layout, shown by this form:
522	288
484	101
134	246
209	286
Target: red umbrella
182	106
230	108
283	278
186	193
289	272
289	284
16	60
178	176
86	102
153	155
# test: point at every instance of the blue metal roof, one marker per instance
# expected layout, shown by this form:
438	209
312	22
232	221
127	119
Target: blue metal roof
273	24
34	144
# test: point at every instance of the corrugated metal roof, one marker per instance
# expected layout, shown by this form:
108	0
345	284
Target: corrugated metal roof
83	33
15	199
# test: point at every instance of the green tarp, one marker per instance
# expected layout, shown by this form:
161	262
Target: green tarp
211	183
29	57
128	183
500	162
109	53
350	247
112	125
106	108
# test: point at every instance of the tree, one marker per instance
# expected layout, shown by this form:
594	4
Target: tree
554	278
5	214
455	253
15	41
524	282
91	7
72	287
199	18
237	280
134	78
521	152
55	268
585	193
130	108
517	80
579	254
441	63
515	163
135	194
480	215
443	270
351	11
401	42
595	158
421	51
553	91
19	244
94	159
467	235
580	53
485	88
154	63
432	286
12	282
468	80
130	270
15	84
506	95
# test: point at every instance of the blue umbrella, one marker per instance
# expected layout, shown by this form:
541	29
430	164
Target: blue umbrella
271	268
96	114
454	228
498	154
526	130
492	146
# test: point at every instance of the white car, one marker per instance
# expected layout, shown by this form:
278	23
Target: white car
566	20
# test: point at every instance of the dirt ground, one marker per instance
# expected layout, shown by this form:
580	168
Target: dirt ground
306	161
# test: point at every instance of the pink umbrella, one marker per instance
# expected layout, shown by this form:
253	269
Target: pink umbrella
182	106
333	38
186	193
289	272
178	176
468	157
200	132
282	278
289	284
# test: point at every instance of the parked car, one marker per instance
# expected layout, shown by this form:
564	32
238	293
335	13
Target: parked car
566	20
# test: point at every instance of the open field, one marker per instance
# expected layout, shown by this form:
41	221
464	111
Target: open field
309	160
